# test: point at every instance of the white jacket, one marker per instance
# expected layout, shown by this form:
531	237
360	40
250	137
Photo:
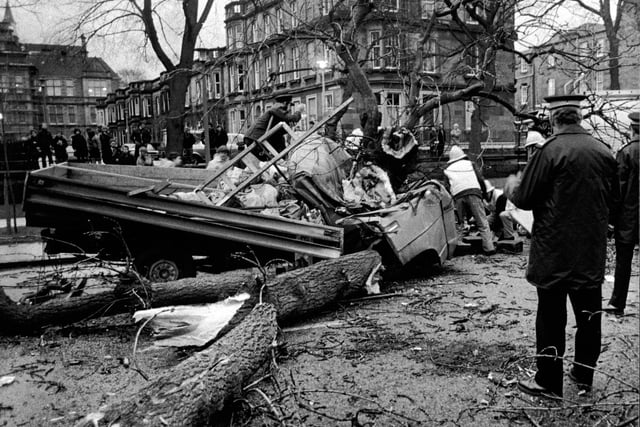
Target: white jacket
462	177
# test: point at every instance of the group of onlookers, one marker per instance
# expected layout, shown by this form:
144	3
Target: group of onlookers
93	146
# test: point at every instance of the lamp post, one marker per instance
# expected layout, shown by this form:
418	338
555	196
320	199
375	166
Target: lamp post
322	65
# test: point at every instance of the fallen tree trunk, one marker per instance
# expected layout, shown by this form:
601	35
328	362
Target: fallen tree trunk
193	392
295	294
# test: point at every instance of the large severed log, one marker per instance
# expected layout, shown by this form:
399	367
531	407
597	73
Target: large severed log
295	293
194	392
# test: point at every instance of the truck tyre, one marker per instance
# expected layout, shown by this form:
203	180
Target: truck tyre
163	267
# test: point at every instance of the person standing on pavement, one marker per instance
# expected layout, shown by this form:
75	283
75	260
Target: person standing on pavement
45	143
187	145
441	137
466	185
570	183
60	147
105	146
626	224
79	144
277	114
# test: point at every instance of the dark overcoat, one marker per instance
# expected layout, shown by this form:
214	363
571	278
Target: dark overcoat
626	226
571	184
269	120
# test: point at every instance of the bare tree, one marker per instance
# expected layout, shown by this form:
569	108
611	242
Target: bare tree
155	19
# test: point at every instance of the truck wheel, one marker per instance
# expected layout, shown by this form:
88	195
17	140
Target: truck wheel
158	267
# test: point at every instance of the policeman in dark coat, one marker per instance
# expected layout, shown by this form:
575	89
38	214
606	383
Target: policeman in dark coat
570	183
277	114
626	226
45	143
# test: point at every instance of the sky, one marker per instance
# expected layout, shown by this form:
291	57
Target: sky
48	21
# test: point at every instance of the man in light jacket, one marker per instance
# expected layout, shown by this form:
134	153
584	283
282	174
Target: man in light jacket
467	187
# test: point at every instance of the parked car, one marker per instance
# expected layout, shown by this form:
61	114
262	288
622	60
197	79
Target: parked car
198	149
155	154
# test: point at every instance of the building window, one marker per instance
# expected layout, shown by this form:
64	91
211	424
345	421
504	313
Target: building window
601	48
376	49
237	8
427	8
389	103
70	88
241	77
296	63
232	77
71	113
217	85
328	102
551	87
268	66
281	67
264	25
429	62
524	66
327	5
19	83
472	60
54	87
279	21
239	37
56	114
294	13
230	41
93	115
599	80
524	94
391	51
256	75
97	88
312	110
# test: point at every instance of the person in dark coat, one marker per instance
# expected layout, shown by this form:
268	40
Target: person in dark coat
145	134
187	145
60	148
441	136
31	148
105	146
626	224
571	185
93	141
45	143
79	144
277	114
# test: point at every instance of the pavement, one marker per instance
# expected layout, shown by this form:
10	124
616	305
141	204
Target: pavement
24	248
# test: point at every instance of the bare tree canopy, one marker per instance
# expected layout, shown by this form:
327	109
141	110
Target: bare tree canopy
156	20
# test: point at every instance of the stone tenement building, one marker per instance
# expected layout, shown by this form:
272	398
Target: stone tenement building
44	83
268	51
580	65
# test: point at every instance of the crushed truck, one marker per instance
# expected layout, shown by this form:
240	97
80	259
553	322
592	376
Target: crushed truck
161	218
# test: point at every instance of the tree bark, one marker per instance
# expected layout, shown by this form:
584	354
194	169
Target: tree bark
194	392
178	84
295	293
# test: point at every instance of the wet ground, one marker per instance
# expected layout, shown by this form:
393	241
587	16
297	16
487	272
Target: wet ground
444	350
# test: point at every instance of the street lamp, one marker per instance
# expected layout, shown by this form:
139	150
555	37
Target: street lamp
322	65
